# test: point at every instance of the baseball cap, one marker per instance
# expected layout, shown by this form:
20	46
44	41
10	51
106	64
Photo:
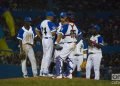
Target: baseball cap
27	19
63	14
50	13
96	26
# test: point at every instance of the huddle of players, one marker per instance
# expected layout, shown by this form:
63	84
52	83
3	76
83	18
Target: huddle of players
74	49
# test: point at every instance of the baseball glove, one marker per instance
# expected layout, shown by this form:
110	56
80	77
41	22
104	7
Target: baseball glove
22	55
58	47
83	65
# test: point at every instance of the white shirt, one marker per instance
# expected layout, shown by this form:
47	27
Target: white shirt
97	39
27	36
46	28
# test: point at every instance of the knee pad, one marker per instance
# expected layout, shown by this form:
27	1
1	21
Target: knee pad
69	66
58	66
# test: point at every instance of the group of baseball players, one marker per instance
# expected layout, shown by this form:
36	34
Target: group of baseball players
61	44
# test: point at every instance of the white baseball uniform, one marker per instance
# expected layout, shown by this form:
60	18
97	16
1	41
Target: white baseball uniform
69	40
79	55
94	58
46	28
27	37
69	31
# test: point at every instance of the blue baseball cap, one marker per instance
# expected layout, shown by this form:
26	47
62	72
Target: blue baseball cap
27	19
50	13
63	14
96	26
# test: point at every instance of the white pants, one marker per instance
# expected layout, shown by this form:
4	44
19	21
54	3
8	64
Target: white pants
57	52
77	61
93	60
30	54
47	55
67	51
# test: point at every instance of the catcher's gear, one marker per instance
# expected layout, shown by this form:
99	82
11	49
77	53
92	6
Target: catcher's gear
22	55
58	47
83	65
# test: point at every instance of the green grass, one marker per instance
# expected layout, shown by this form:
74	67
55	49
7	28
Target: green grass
53	82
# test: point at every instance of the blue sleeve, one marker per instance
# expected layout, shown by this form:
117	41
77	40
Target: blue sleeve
79	32
20	34
85	45
57	24
39	27
64	29
100	40
33	29
52	26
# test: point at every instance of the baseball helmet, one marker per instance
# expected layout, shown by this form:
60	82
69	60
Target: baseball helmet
50	13
63	14
27	19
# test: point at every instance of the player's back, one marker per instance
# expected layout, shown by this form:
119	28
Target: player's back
47	27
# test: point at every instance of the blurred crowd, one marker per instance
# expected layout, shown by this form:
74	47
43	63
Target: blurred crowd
60	5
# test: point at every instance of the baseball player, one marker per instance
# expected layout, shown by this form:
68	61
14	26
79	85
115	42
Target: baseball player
26	38
95	53
47	29
68	32
63	16
80	54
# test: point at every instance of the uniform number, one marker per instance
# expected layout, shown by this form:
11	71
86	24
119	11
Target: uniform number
44	31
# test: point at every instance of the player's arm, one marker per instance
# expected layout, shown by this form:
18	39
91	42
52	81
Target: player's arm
20	38
20	43
54	33
99	44
52	27
61	33
85	49
38	31
59	37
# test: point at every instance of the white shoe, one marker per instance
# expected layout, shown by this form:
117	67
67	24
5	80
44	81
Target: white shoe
25	76
35	76
44	75
50	75
69	76
59	77
40	75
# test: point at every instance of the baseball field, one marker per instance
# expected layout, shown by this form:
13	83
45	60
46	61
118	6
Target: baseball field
40	81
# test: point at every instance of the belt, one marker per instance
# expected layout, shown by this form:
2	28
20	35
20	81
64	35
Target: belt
29	44
70	42
78	54
47	37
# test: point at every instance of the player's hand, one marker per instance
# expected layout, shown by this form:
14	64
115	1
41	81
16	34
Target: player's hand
74	46
58	47
83	65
